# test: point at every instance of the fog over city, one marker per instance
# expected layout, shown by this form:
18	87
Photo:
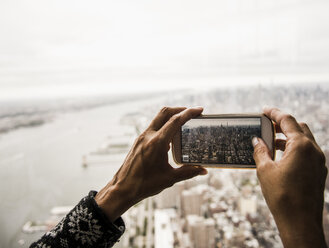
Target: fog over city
84	48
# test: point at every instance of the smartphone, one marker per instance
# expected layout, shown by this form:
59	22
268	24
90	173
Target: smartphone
222	141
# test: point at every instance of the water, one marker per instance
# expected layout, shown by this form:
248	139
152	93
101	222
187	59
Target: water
41	167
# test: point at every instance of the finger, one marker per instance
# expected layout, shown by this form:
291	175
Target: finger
280	144
261	153
163	116
277	128
306	130
286	122
172	126
187	171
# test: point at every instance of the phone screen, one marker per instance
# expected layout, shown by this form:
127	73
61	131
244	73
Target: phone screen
219	140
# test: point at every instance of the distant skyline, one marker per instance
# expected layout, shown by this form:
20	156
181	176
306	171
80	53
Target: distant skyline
76	48
194	123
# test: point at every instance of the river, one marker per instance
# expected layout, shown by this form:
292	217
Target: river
41	167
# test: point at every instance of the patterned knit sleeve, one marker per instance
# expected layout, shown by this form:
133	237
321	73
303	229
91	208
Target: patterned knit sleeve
84	226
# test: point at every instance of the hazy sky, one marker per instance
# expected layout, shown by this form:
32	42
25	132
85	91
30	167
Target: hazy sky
51	48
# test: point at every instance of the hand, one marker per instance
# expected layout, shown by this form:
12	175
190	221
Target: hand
293	187
146	171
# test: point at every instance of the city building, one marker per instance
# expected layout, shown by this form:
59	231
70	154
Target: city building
201	231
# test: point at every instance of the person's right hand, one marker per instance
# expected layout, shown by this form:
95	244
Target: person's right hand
146	170
294	186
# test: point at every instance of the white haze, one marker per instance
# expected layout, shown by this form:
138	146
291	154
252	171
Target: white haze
64	48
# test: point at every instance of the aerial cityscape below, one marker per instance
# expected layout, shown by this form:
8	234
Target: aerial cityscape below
222	209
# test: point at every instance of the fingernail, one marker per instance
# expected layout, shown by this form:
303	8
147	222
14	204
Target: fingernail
203	172
197	107
254	141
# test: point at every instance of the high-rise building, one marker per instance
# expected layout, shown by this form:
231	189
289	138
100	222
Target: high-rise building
201	231
163	228
192	200
170	198
247	205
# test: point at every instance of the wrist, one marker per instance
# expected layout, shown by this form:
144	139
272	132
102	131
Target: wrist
302	234
114	201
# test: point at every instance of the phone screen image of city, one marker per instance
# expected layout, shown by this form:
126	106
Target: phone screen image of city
219	141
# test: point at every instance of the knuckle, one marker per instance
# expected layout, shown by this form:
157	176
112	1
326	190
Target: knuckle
145	142
150	144
287	117
145	149
175	119
304	144
141	138
164	110
273	110
303	125
260	150
153	141
161	137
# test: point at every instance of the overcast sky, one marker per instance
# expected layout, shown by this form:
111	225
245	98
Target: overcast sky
52	48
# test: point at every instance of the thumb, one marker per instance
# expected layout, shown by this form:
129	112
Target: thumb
188	171
261	152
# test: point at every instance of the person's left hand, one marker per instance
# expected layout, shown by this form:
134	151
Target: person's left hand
146	170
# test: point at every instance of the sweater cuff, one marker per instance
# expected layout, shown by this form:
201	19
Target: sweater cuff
86	225
115	229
